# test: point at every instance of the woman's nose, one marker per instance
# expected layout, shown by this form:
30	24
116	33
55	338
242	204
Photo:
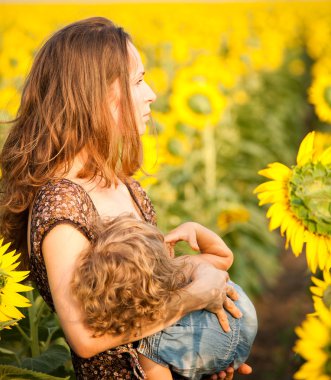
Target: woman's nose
150	95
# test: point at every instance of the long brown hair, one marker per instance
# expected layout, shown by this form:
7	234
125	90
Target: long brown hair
125	277
65	108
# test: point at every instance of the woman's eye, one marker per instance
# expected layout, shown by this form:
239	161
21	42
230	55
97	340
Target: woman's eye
140	81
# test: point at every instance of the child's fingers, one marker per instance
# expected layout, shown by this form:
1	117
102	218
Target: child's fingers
229	373
185	232
171	249
192	240
172	237
245	369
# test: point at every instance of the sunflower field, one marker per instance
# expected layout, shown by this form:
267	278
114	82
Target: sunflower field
241	87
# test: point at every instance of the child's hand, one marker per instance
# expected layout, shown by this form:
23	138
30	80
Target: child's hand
184	232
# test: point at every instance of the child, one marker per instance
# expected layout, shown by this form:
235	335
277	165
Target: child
129	266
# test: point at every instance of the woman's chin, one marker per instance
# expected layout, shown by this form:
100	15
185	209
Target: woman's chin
142	129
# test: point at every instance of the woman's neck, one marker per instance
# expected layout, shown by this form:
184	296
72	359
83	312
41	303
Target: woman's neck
76	168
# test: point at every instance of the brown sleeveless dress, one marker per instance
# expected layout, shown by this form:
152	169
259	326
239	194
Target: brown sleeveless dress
63	201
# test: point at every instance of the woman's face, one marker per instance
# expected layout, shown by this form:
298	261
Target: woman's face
142	94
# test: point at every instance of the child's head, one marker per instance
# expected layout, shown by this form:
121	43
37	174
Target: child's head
125	277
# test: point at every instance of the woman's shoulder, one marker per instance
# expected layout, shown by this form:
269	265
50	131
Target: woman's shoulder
63	200
63	193
142	200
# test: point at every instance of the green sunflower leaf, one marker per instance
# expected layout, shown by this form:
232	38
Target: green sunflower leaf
8	372
49	360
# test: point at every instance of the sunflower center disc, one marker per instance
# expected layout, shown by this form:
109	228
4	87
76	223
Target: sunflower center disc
310	189
200	104
3	281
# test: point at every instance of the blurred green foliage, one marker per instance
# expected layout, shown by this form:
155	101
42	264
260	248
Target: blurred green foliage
267	128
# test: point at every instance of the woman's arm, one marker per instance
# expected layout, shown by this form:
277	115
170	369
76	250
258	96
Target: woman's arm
200	238
61	248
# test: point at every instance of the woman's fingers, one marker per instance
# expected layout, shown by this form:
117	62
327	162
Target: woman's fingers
232	308
231	292
223	320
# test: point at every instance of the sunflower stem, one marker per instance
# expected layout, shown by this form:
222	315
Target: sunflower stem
210	159
24	336
40	310
34	334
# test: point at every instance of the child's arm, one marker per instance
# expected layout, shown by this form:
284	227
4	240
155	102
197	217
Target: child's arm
200	238
214	250
153	370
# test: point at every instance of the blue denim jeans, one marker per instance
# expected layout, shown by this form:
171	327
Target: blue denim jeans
197	345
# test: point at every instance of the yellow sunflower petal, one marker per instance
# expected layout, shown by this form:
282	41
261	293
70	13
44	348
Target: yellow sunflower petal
19	276
323	253
276	171
316	290
12	267
269	186
270	197
10	299
306	149
297	239
8	259
327	276
290	229
3	248
325	157
285	223
15	299
311	255
11	311
4	317
318	282
16	287
325	316
277	216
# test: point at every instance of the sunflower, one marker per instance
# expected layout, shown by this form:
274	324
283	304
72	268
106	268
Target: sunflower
211	68
198	104
10	299
314	346
232	215
322	141
301	204
320	96
322	66
321	291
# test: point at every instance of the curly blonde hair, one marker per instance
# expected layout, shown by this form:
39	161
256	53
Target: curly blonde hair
126	276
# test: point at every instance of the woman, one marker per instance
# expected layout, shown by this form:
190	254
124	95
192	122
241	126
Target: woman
68	159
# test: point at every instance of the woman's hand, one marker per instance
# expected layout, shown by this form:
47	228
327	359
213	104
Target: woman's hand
216	294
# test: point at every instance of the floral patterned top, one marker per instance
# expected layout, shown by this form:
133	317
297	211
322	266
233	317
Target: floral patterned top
63	201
